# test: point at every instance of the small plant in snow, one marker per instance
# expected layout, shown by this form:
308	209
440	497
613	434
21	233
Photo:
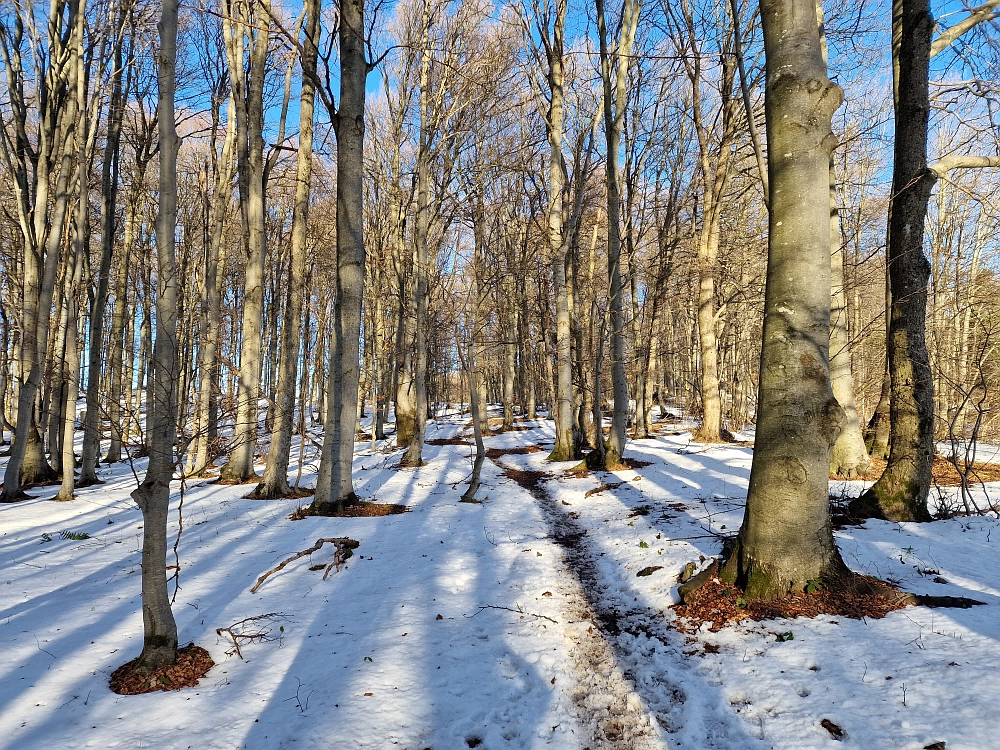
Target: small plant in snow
46	538
76	536
643	545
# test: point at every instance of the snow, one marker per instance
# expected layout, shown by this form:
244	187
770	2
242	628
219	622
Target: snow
541	642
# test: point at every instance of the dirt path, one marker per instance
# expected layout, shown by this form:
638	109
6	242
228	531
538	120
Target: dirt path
605	694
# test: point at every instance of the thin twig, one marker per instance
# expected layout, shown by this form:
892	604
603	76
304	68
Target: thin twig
518	611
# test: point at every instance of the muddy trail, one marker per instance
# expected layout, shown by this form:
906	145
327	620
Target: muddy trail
613	660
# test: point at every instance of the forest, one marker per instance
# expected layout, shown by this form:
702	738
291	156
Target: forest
692	300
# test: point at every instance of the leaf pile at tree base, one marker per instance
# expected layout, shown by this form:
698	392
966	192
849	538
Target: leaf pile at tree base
193	663
721	604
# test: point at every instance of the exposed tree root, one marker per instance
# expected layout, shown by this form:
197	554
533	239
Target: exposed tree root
344	551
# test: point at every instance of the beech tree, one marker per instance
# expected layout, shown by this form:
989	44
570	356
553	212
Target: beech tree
786	539
159	646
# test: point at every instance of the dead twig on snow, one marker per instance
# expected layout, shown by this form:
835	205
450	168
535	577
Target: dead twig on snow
237	631
344	551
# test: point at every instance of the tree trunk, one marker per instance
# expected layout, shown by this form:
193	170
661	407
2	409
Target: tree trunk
338	445
565	445
900	494
275	482
414	450
849	457
109	199
786	539
153	495
240	467
614	113
214	277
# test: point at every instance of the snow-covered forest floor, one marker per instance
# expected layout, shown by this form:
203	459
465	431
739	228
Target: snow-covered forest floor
516	623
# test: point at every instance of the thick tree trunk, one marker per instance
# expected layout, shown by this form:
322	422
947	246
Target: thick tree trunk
338	446
153	495
786	539
39	286
900	494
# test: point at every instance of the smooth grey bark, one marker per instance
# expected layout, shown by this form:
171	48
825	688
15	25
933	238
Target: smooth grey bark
153	495
74	278
786	539
334	485
275	482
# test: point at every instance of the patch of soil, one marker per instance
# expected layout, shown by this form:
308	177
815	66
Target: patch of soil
357	510
725	435
499	423
529	480
634	463
602	487
448	441
193	663
292	494
580	471
943	472
721	604
494	453
232	482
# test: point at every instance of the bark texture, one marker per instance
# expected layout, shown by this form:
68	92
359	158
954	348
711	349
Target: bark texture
900	494
786	539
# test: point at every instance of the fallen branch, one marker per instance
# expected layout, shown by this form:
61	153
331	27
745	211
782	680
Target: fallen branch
344	551
518	611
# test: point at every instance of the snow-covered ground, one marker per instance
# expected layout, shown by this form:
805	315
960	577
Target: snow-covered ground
517	623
